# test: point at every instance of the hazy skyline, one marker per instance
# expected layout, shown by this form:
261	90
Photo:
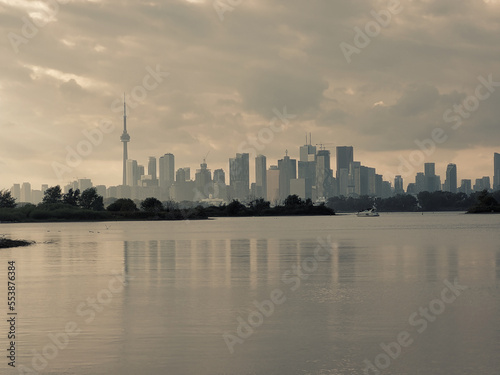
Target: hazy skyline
215	82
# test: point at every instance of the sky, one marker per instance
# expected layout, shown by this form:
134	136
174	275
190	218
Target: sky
403	82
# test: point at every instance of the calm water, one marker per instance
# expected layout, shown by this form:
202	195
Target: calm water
162	297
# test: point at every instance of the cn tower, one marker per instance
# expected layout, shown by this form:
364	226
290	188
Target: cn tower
125	138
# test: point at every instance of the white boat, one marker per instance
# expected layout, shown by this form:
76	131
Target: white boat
369	212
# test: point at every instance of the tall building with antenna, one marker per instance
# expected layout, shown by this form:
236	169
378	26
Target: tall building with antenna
125	138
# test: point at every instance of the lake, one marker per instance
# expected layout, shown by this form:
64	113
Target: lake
404	293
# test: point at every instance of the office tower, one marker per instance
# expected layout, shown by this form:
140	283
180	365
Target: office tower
466	187
101	190
288	171
496	171
220	176
219	184
132	173
345	156
367	181
44	188
187	173
354	184
307	168
260	177
486	183
152	168
15	192
307	153
125	138
398	185
420	182
180	175
203	182
167	171
432	182
450	184
84	184
239	176
273	184
324	174
26	192
379	185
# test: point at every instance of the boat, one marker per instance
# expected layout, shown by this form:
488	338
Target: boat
369	212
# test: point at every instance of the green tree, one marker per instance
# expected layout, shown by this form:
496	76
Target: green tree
52	195
293	201
90	200
6	199
71	197
151	205
122	205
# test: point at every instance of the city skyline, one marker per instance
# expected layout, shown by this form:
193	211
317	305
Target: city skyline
199	96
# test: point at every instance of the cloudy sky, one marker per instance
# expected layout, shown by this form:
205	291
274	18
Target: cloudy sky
225	70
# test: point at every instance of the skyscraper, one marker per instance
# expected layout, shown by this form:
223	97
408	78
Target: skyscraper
239	176
125	138
398	185
203	182
324	174
307	168
432	182
260	177
288	171
152	168
345	156
273	184
450	184
132	173
167	171
496	172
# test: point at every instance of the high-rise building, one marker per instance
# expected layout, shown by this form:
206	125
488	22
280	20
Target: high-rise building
273	184
324	174
26	192
152	168
432	182
420	182
125	138
496	171
239	176
260	177
398	185
288	171
307	168
466	187
132	173
167	171
345	156
203	182
220	176
15	192
450	184
354	187
84	184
